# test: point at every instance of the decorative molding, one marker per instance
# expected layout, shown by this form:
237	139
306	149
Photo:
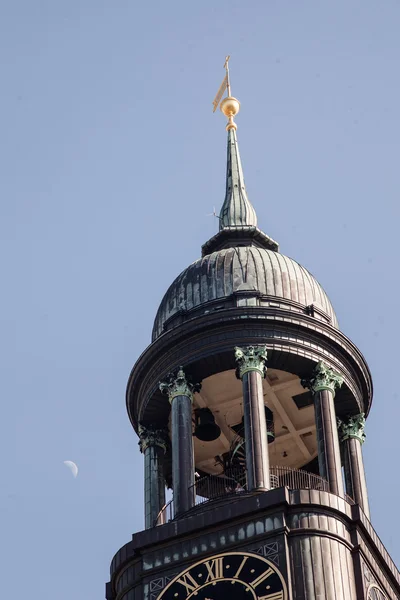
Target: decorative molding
270	551
353	427
251	358
367	575
157	585
323	378
177	384
151	436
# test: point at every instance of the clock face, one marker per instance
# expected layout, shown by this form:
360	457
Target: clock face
375	593
234	575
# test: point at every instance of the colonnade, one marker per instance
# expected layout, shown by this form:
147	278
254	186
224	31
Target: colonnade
338	442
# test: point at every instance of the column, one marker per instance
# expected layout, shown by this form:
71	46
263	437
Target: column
180	394
251	369
153	445
323	385
352	437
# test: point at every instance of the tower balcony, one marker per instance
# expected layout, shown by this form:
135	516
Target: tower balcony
213	490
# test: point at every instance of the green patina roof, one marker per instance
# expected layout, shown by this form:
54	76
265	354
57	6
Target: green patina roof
237	210
237	219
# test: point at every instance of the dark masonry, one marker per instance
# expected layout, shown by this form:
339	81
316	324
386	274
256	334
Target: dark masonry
250	406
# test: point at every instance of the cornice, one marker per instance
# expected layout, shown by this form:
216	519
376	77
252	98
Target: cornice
295	332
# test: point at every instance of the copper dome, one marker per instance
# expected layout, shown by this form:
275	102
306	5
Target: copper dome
221	278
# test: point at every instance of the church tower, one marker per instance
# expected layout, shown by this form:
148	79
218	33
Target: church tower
250	406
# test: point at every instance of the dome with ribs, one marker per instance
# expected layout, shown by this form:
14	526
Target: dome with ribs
220	274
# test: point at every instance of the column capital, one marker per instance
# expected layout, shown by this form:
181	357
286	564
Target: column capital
352	427
323	378
177	384
251	358
152	436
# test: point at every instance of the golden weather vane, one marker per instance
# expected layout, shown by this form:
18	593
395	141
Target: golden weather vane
229	106
226	67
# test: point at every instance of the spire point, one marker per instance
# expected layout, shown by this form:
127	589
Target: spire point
237	218
230	106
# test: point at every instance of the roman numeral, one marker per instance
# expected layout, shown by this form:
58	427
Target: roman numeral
215	569
241	567
188	582
262	578
275	596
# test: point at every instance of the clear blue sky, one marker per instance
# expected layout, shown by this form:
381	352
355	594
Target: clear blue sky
111	159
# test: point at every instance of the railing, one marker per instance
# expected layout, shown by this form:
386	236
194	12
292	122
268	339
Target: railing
166	514
214	487
296	479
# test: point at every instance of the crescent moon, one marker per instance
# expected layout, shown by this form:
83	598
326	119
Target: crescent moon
72	467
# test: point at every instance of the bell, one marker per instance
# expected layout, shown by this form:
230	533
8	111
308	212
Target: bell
206	428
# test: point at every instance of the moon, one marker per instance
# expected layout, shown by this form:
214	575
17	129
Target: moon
72	467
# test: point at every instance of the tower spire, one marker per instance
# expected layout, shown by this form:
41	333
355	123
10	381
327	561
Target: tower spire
237	210
237	218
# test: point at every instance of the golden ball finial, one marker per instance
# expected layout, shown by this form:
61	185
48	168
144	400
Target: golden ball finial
230	106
